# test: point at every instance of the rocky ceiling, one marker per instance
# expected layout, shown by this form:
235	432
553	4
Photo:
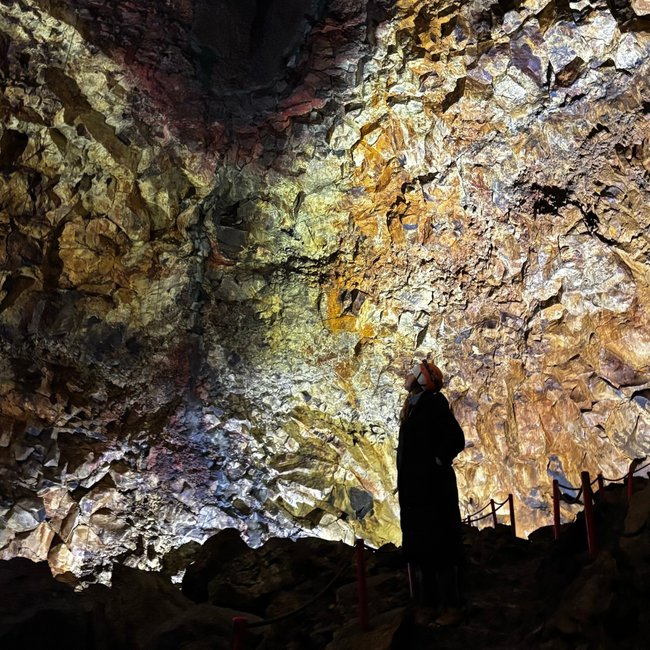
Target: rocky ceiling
228	225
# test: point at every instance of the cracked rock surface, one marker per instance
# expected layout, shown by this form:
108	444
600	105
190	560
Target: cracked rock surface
228	227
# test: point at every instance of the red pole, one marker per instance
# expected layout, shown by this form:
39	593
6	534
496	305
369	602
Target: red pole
494	512
589	515
630	480
601	482
239	632
362	590
556	509
511	505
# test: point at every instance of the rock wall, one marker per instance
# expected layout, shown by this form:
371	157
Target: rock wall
224	241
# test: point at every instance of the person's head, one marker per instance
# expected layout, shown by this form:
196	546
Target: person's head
424	376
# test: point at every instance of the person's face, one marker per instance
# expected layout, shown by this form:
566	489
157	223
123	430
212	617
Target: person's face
410	382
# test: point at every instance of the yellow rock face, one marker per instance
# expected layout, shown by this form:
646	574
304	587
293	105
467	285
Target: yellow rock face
209	294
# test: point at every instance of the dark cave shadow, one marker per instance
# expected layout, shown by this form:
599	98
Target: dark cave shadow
230	66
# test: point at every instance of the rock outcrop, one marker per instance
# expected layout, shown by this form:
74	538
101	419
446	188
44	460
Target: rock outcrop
535	593
227	230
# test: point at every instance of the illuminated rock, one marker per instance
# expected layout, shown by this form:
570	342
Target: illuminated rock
209	294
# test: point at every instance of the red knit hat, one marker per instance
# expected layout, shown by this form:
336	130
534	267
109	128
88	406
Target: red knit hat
428	375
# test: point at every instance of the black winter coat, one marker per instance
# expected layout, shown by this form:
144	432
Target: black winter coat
428	496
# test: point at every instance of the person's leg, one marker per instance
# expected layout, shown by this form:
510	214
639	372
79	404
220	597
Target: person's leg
449	594
430	596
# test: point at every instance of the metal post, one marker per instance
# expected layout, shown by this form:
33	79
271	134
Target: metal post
630	483
239	632
362	589
494	512
556	509
511	505
601	481
469	520
589	515
409	570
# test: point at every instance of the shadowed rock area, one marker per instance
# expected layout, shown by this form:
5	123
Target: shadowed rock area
228	226
533	593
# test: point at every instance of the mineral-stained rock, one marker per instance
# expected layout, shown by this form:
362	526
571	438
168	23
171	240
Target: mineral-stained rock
536	593
222	243
641	7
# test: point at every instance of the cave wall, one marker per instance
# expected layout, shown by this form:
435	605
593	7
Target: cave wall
214	271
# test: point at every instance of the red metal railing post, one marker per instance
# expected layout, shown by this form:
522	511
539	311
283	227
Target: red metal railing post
601	481
239	632
511	505
589	515
630	483
409	570
362	589
556	509
494	512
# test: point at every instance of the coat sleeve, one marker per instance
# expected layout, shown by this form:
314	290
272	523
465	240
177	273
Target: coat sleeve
452	438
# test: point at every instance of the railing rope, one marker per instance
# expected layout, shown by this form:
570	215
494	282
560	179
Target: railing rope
571	489
588	498
625	476
241	625
494	507
487	505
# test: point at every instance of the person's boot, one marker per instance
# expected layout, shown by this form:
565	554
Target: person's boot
447	579
449	617
425	594
416	580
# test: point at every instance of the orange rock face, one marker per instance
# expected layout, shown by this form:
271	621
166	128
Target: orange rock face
221	249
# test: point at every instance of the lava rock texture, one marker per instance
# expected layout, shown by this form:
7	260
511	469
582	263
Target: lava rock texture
536	593
228	227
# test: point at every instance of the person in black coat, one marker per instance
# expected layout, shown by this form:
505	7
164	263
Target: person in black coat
429	440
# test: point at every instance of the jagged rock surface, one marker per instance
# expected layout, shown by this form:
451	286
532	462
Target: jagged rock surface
220	250
534	593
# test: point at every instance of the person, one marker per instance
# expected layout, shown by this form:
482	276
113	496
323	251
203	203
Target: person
429	439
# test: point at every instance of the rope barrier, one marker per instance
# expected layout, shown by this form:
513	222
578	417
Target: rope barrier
487	505
485	516
494	508
588	499
568	487
345	565
622	478
614	480
379	551
498	506
241	625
